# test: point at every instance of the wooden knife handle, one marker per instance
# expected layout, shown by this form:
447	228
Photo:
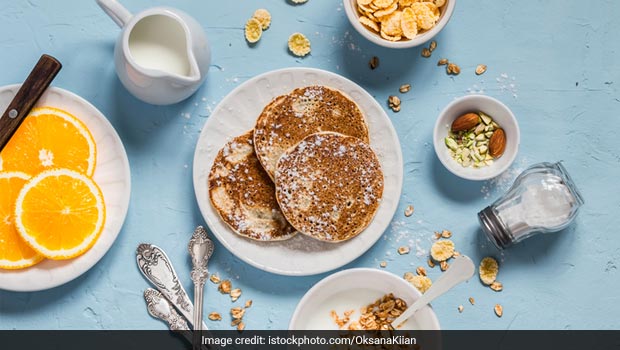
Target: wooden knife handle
31	90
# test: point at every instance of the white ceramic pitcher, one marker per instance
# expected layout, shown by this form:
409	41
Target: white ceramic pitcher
162	55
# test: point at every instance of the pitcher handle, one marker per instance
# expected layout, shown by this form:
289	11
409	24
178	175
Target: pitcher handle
119	14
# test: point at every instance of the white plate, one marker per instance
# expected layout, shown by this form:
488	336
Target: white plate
236	114
351	290
112	176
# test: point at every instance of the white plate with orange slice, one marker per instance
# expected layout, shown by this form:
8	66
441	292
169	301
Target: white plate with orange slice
64	192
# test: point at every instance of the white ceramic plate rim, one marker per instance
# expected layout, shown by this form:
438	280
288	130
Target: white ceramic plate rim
312	292
262	89
109	174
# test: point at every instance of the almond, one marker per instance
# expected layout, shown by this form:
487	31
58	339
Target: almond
497	143
465	122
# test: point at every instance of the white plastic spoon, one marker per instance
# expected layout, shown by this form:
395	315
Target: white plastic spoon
459	271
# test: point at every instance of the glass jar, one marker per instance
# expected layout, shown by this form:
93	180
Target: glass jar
543	198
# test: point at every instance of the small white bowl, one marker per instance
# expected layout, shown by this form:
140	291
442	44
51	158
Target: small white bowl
500	114
351	290
350	7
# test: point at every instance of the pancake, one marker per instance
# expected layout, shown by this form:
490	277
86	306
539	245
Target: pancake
243	194
329	186
304	111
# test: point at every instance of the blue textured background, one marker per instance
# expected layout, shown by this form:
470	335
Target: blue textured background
555	63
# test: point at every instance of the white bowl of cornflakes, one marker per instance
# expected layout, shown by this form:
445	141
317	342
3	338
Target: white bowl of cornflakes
399	24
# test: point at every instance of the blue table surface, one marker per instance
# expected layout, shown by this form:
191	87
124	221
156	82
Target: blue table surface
554	63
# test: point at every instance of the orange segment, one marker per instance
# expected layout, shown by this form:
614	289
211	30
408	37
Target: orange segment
14	252
60	213
50	138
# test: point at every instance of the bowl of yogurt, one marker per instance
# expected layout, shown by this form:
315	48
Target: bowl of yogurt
341	301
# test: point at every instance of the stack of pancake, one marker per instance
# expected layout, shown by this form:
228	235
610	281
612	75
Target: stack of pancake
305	167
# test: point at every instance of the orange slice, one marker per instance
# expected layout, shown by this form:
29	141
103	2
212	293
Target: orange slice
60	213
14	252
50	138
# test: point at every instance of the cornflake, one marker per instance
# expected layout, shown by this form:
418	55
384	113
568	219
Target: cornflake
264	17
422	283
298	44
442	250
225	287
253	30
488	270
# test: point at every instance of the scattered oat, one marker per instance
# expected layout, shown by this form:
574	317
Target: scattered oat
248	303
446	234
432	46
299	1
298	44
264	17
405	88
460	308
237	312
499	310
215	316
488	270
214	278
421	271
442	250
236	322
241	326
444	265
383	264
426	53
431	263
437	235
497	286
456	253
481	69
374	62
253	30
394	103
403	250
235	294
471	300
442	62
453	69
225	287
422	283
409	211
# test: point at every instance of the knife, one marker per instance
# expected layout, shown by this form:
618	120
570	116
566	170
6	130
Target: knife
29	93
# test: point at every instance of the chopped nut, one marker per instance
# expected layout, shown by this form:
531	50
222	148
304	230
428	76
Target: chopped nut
403	250
235	294
432	46
215	316
471	300
488	270
444	265
431	263
420	271
241	326
237	312
453	69
446	234
442	62
442	250
383	264
374	62
426	53
409	211
248	303
404	88
499	310
460	308
496	286
225	287
481	69
214	278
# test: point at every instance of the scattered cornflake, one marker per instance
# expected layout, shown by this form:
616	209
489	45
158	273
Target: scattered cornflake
235	294
409	209
248	303
214	278
480	69
383	264
405	88
225	287
442	250
446	234
374	62
421	271
488	270
444	265
237	312
422	283
298	44
460	308
215	316
403	250
497	286
471	300
431	263
264	17
241	326
499	310
253	30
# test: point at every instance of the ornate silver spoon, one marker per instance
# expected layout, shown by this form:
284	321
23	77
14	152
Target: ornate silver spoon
200	249
160	308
